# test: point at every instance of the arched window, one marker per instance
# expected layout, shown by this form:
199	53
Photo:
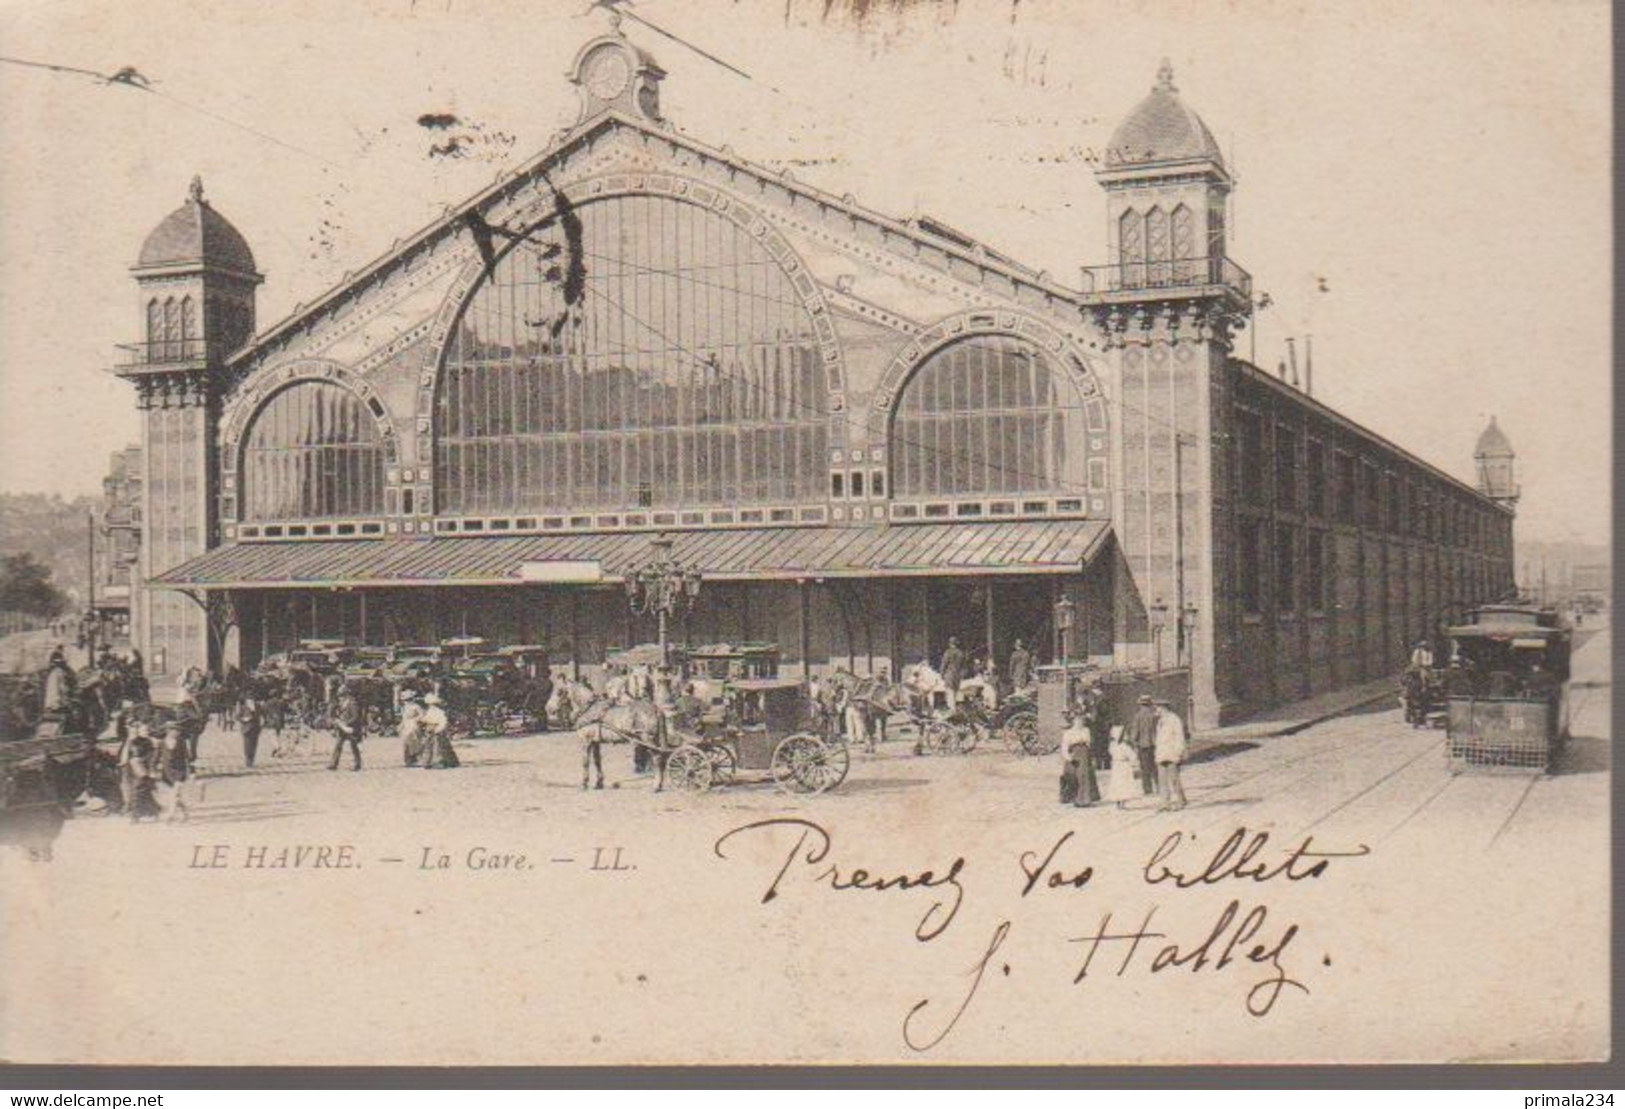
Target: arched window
1157	246
172	327
313	450
1131	249
1184	244
188	327
994	414
155	327
642	352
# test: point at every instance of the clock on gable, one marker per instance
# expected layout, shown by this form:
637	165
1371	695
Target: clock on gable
612	73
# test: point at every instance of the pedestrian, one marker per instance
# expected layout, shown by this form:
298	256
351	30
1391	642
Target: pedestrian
250	721
1079	786
174	774
1170	748
1021	667
1097	719
437	749
135	763
953	669
346	729
411	728
1142	736
1121	786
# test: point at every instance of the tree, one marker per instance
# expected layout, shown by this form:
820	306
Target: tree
26	586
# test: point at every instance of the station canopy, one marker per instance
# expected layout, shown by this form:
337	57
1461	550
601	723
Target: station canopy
736	554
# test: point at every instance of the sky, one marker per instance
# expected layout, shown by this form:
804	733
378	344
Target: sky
1427	195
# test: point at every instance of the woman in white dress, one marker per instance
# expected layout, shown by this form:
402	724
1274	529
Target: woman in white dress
1122	786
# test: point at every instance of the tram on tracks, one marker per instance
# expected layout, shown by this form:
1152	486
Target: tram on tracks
1507	689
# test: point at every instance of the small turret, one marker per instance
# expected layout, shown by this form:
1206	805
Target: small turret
1495	459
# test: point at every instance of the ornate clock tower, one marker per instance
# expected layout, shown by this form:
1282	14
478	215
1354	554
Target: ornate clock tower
611	73
196	280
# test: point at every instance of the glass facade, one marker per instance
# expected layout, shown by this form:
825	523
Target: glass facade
312	451
993	414
646	353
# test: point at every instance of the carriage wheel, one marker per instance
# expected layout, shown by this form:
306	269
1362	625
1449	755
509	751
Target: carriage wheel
1020	732
938	736
689	768
1034	743
969	736
723	764
804	763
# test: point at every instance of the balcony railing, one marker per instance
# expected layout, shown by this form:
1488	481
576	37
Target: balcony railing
1180	273
161	352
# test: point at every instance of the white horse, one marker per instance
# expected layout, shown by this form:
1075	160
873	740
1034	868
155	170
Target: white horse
925	687
628	720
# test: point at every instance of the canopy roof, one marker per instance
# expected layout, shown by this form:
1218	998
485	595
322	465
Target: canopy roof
743	554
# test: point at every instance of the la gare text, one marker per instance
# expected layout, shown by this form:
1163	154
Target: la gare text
343	856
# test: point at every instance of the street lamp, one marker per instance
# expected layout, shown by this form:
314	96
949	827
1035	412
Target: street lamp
1159	621
1065	612
663	586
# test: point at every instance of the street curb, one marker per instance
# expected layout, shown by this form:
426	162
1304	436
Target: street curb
1304	725
1199	742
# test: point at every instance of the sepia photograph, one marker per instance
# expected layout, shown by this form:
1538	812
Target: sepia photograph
907	532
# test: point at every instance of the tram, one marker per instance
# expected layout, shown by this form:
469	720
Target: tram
1507	686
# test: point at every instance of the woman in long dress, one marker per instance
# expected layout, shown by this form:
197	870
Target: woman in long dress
1122	786
411	728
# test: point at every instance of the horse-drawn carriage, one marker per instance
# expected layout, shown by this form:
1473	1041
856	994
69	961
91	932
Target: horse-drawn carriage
761	729
504	692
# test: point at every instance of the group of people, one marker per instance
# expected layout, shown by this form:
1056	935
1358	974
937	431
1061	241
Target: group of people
962	673
425	734
155	766
1143	756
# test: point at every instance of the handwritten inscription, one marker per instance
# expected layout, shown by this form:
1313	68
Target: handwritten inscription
811	849
1250	940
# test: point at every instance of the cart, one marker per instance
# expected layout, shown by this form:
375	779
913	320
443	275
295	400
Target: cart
760	730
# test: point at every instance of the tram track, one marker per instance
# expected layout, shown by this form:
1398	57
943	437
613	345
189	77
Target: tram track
1517	806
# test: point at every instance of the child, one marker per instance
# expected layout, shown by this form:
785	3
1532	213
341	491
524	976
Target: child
174	772
1122	787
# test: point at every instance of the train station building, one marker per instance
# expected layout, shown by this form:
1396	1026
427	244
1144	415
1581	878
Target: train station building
868	434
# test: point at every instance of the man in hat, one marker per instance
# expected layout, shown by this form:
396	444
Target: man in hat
347	719
1021	666
250	721
1170	745
1142	736
953	669
174	772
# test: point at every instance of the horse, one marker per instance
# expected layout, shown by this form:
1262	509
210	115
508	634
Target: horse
567	697
601	720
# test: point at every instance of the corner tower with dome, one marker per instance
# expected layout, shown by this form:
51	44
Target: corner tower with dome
1495	461
195	285
870	434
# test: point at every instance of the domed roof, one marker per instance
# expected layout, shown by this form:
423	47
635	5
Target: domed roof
196	234
1162	129
1493	441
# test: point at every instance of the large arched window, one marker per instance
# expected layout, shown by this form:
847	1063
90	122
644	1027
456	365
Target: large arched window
642	352
994	414
313	450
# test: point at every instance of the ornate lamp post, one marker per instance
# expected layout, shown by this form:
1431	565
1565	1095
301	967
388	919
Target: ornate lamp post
1065	613
1159	622
1187	621
663	586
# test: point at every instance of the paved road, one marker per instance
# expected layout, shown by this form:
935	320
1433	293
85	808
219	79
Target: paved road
1476	927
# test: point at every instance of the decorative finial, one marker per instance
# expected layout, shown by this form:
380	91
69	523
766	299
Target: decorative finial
614	21
195	192
1165	77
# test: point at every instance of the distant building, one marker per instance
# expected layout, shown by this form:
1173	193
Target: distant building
118	546
870	434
